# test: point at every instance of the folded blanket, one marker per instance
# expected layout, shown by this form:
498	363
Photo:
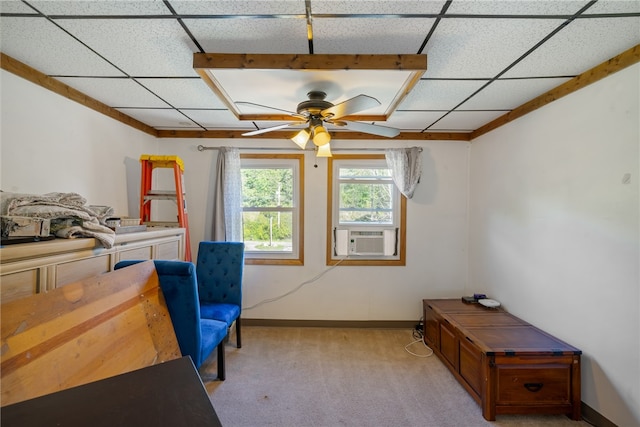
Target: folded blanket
69	214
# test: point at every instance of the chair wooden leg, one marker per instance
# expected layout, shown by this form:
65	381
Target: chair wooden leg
238	336
221	372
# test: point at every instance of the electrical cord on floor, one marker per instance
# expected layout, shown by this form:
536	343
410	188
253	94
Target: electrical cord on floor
313	279
418	337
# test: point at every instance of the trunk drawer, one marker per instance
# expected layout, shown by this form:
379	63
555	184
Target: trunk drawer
533	384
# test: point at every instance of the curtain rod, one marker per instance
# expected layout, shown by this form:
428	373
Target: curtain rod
203	148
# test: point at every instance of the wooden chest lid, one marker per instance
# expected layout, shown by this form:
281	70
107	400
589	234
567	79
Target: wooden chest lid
514	340
485	318
455	306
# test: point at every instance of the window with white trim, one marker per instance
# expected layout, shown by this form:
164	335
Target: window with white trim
367	212
272	208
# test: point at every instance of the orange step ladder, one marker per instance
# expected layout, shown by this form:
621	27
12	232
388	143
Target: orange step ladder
147	194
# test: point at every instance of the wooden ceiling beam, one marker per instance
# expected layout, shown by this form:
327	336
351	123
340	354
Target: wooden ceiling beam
335	136
309	62
34	76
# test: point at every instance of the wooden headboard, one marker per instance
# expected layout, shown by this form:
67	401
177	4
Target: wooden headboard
84	331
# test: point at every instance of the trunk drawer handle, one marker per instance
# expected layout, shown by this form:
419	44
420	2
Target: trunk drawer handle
533	387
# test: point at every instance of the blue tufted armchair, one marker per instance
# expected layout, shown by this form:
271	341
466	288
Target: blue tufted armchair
219	269
197	337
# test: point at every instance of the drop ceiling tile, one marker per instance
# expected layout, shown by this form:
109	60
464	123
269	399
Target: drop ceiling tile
15	6
45	47
517	7
216	119
239	7
376	7
580	46
267	35
115	92
102	7
465	120
183	93
614	6
482	48
370	35
412	121
509	94
439	94
165	118
140	47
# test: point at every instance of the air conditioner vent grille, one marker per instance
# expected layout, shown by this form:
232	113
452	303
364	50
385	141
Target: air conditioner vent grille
380	242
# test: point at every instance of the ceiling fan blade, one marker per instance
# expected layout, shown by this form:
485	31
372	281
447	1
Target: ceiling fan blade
265	130
372	129
350	106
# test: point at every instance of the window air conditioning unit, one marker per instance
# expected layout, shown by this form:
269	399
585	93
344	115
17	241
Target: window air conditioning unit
370	242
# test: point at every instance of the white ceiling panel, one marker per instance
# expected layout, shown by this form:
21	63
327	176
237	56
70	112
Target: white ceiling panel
478	48
509	94
614	6
412	121
439	94
119	42
240	7
115	92
183	93
370	35
45	47
14	6
217	119
465	120
285	89
102	7
250	36
140	47
517	7
160	118
376	7
579	46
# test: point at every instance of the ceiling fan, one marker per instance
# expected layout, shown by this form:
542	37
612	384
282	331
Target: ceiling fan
316	111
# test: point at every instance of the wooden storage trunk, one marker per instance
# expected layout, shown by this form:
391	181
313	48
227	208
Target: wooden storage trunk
507	365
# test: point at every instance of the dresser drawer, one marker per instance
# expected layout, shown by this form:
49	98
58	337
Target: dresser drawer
533	384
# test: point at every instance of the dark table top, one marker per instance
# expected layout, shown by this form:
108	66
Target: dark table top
166	394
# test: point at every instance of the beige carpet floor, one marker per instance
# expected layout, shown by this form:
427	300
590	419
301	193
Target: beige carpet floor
325	377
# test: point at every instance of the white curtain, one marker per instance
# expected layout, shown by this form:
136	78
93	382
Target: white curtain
227	209
406	168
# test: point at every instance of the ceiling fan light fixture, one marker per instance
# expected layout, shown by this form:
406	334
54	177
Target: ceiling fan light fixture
301	138
321	136
324	150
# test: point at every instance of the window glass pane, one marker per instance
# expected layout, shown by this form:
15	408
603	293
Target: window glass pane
365	196
267	187
365	173
268	231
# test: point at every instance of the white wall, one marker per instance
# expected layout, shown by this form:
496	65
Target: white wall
49	143
554	231
52	144
436	242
